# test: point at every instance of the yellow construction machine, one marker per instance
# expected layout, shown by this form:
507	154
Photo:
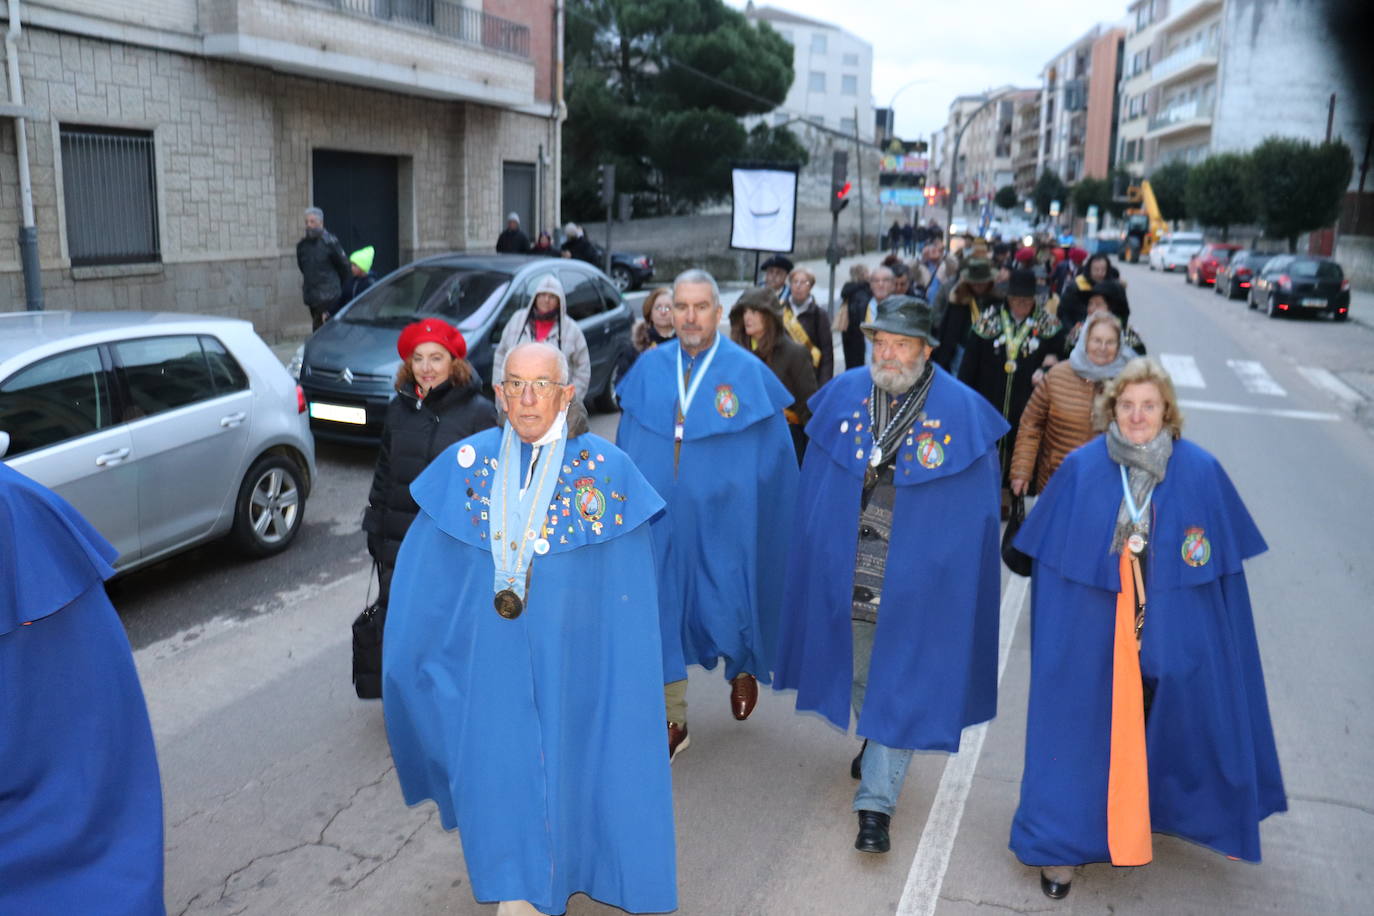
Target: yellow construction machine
1144	226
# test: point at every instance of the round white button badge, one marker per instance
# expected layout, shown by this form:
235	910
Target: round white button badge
466	456
541	546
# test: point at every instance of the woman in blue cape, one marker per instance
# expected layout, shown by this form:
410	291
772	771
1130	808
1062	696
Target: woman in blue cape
1147	711
522	685
80	797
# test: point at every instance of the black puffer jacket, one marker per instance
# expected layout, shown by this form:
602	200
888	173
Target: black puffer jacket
416	431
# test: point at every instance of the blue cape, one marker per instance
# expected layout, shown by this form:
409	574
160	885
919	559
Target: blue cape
1213	768
721	547
934	665
80	797
540	738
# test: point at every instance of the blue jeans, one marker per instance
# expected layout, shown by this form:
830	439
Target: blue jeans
883	769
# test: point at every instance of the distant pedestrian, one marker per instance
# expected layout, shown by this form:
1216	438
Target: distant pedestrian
656	326
546	320
908	239
1148	711
544	244
892	580
757	325
521	684
361	278
577	245
894	237
513	239
809	325
776	270
854	296
81	817
323	266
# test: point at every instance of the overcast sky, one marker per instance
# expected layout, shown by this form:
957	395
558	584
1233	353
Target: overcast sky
954	48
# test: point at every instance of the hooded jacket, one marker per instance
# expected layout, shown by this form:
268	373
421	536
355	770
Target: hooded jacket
566	336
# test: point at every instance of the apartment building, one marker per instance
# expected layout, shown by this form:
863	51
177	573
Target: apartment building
990	145
1026	145
173	144
1078	102
833	82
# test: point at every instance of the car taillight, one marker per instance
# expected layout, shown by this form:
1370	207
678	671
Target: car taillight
1242	271
300	399
1283	281
1345	285
642	262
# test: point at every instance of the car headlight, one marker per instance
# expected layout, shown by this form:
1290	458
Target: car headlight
297	360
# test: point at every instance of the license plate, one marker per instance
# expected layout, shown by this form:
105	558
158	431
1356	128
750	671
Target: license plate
1314	303
338	413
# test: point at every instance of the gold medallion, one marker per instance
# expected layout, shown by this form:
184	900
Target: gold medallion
1010	366
508	604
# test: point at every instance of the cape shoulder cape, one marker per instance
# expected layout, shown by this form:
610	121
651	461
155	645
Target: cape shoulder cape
1212	763
600	494
539	738
961	427
721	547
43	574
738	391
934	664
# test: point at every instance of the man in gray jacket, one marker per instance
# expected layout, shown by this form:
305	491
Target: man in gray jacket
547	320
324	268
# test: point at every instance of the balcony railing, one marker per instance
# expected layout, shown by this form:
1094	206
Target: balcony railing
1185	57
1178	114
448	19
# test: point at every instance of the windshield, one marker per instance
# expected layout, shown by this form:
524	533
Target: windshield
455	294
1322	270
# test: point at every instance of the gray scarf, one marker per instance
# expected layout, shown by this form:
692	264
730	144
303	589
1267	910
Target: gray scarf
1145	465
1091	371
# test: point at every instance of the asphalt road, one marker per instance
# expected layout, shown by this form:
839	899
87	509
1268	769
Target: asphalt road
281	799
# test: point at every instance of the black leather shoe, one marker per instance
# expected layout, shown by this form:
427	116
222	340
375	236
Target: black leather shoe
873	836
856	768
1053	889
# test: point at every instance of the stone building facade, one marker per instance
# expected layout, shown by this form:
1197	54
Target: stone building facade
233	104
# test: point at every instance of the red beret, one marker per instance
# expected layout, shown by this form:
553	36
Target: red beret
431	330
1025	255
1078	255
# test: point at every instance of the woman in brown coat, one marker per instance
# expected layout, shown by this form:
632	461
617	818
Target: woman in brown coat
1058	416
756	325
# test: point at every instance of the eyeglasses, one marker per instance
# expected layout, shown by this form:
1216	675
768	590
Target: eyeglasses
542	387
664	307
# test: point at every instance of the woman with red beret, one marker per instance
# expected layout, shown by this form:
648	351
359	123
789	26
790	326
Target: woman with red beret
437	403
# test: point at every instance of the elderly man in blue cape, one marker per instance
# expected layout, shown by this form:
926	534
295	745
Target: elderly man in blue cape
522	658
80	798
893	587
703	419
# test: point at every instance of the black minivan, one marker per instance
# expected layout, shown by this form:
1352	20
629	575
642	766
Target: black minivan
347	368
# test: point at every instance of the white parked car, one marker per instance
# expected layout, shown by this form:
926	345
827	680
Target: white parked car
1174	250
163	430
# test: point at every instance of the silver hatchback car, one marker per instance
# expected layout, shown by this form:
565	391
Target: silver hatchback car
163	430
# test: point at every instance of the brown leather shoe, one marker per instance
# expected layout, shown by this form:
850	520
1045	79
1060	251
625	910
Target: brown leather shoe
678	740
744	696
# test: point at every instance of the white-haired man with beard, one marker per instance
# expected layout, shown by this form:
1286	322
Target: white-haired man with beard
902	463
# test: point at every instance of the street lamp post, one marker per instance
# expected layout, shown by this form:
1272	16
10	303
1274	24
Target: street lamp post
954	163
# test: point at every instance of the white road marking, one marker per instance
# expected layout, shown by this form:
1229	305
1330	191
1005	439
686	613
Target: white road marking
1328	382
1183	369
1255	379
927	874
1263	411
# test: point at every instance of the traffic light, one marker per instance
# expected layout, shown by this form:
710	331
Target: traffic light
931	192
607	185
839	181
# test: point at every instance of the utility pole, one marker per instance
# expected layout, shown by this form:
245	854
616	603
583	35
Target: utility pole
28	231
608	198
859	168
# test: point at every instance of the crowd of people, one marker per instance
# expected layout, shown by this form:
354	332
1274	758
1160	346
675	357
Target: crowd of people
835	534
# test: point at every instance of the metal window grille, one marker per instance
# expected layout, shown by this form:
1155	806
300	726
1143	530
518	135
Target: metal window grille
110	190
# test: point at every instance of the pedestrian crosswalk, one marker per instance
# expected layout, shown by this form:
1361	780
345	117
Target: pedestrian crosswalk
1255	379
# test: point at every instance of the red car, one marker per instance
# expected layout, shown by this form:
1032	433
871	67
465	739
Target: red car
1202	267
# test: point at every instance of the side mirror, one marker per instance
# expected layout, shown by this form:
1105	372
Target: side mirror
4	443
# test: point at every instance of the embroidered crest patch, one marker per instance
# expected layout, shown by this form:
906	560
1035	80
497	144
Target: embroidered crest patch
591	504
1197	550
727	405
929	452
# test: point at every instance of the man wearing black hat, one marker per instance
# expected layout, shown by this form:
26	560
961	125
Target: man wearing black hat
1006	347
775	273
902	462
960	308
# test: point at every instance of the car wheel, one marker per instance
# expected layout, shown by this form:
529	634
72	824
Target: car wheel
1273	306
622	278
270	507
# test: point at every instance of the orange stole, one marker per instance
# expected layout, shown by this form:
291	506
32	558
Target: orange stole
1128	787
